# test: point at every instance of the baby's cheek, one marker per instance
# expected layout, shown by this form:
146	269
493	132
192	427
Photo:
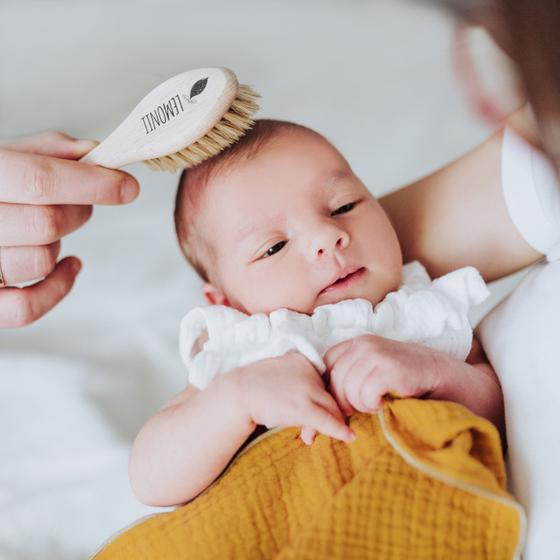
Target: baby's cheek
280	291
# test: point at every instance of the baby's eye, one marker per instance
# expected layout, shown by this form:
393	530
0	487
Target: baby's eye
344	209
273	250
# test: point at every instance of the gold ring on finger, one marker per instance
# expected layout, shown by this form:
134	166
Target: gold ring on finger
2	283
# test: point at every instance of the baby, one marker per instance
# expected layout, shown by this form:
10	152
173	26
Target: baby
280	222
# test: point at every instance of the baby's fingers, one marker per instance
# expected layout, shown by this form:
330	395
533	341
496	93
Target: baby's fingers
338	379
372	394
361	387
339	395
308	435
330	424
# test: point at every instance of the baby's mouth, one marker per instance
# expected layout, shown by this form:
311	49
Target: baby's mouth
346	280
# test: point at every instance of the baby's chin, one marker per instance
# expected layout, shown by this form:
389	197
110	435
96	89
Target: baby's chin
373	302
310	309
374	299
251	310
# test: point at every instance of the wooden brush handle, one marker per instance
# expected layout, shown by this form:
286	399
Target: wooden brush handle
170	118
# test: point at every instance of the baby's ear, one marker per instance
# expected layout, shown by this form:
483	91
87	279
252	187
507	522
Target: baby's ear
214	296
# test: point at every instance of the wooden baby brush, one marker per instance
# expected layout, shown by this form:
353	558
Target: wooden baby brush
185	120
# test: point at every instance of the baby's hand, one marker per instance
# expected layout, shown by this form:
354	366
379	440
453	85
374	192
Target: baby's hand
367	367
288	391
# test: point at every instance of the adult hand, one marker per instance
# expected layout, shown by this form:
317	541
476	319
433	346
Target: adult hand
45	195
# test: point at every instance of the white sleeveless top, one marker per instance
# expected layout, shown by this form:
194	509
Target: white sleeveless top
521	337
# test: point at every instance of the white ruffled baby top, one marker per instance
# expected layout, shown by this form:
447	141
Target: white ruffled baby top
422	311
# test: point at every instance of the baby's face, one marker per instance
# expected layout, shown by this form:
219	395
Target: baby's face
295	228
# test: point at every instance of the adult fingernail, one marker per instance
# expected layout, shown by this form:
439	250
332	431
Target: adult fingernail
129	189
76	266
85	146
352	435
87	143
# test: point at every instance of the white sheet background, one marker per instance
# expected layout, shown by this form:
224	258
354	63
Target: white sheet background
373	76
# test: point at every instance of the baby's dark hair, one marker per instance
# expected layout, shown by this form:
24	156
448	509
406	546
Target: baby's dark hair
194	181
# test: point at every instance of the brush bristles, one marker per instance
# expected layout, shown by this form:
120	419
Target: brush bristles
233	125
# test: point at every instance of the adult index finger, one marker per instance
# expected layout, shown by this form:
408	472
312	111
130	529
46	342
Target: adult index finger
36	179
55	144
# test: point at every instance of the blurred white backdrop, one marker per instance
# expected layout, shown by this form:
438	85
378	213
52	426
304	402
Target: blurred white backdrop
372	76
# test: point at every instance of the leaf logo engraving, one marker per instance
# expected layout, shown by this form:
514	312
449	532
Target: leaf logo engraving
197	89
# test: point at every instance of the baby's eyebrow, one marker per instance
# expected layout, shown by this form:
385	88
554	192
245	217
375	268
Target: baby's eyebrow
251	229
333	179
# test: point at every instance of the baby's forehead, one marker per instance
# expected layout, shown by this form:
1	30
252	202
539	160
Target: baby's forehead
271	188
285	144
294	164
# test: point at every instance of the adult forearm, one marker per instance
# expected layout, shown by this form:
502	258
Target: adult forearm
457	217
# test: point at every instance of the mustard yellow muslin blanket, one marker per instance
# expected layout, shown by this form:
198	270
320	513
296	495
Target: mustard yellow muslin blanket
423	480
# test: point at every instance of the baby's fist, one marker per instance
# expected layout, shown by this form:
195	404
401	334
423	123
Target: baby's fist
364	369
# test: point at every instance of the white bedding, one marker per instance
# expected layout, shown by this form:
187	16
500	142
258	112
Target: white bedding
75	388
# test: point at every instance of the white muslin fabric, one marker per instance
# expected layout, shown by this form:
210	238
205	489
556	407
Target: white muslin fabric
422	311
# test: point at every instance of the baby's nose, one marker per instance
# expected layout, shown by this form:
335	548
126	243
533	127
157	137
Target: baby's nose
338	244
330	238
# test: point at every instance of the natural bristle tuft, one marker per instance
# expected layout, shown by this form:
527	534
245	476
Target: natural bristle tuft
227	131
